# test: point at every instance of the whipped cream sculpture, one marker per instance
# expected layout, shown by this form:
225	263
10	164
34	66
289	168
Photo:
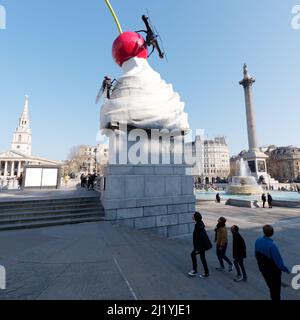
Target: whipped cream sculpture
140	98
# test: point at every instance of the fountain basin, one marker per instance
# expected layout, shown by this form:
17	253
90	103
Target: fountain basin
244	185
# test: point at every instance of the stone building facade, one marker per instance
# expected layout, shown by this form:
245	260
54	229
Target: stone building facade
93	157
284	163
211	160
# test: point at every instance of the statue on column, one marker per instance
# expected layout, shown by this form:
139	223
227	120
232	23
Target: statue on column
245	69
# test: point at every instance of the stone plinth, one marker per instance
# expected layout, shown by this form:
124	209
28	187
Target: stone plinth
159	198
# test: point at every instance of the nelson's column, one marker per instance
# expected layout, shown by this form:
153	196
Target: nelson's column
256	159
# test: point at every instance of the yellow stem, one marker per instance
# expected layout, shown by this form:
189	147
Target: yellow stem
114	16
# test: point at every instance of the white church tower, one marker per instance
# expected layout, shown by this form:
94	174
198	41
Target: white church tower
22	135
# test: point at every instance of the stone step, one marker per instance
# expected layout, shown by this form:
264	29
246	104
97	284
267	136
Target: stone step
22	214
54	207
41	218
46	202
42	224
35	213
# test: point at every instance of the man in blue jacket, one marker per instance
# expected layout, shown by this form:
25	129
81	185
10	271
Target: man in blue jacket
270	262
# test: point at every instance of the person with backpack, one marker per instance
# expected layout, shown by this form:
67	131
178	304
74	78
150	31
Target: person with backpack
201	244
239	254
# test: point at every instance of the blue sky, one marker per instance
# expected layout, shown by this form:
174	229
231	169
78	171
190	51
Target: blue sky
58	51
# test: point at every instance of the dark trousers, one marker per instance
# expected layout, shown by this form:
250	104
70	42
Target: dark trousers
202	258
221	254
264	202
239	265
273	281
270	204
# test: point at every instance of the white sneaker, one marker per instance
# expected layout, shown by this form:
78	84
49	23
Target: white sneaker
204	276
193	273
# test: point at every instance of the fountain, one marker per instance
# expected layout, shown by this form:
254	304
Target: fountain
244	183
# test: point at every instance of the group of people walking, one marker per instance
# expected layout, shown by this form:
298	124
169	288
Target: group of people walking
267	254
202	244
88	181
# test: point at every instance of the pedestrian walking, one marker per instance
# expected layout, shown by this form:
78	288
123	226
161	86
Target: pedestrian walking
270	199
218	198
264	199
20	181
201	244
238	253
270	262
221	240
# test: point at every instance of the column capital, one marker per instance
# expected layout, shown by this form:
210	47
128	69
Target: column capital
247	82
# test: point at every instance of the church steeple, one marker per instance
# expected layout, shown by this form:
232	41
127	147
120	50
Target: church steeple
24	120
22	135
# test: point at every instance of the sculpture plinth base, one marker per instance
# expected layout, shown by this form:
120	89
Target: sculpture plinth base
158	198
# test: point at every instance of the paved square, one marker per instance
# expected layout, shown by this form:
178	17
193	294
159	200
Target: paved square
104	261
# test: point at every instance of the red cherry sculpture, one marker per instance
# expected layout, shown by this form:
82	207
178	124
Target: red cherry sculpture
129	45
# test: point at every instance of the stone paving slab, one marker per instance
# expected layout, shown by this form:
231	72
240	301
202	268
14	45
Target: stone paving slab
105	261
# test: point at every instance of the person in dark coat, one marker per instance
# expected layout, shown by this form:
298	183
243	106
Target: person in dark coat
239	254
82	180
270	199
89	181
201	244
92	181
20	181
270	262
218	198
263	199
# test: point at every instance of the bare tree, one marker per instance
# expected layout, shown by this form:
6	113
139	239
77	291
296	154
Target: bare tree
75	160
75	151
